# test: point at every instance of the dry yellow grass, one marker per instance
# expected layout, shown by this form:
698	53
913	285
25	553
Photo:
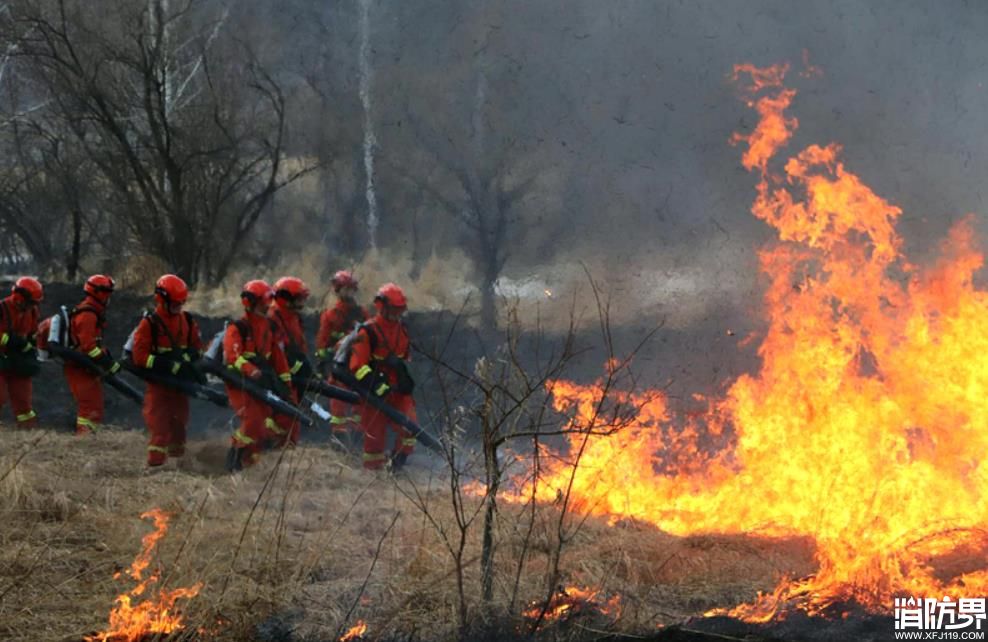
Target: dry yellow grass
296	538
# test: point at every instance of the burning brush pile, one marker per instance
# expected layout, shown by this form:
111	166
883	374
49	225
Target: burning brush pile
864	429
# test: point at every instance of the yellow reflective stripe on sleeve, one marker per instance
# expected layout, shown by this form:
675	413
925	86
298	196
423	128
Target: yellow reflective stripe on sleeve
296	367
408	441
88	423
176	367
382	389
248	355
285	376
157	449
26	416
4	339
342	420
95	352
322	353
272	425
363	371
150	362
241	438
374	456
163	350
240	362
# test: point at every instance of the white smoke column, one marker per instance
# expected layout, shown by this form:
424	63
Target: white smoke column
370	140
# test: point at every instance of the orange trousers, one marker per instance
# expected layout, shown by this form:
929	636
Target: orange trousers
345	415
18	390
374	423
166	414
256	425
87	389
288	430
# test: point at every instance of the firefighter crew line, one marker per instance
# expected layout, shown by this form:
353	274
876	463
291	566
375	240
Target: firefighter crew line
262	358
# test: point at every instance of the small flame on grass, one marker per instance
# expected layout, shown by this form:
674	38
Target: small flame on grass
356	632
155	615
573	599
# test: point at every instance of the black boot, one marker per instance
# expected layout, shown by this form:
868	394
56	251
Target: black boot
234	462
397	462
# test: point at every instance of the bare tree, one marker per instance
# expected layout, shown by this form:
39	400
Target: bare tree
509	397
482	188
182	125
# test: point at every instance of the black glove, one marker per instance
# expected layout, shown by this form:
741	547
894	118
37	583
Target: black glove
405	384
196	374
375	383
302	370
23	363
106	363
17	343
283	390
324	362
165	365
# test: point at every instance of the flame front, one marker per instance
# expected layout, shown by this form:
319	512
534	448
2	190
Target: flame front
131	622
865	425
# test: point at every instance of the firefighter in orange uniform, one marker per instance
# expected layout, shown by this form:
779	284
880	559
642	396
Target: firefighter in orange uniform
334	324
290	295
250	348
378	361
167	341
18	353
86	323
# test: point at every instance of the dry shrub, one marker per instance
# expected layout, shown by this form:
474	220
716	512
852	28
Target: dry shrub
138	272
442	282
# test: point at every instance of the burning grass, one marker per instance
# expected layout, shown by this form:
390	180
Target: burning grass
70	519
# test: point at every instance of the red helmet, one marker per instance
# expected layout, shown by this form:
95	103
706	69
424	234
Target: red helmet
99	286
28	289
291	289
344	279
256	291
392	296
171	290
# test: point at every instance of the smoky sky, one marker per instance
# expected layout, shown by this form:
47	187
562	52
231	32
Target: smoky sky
632	102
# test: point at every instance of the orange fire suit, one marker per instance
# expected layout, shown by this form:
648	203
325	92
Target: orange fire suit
167	343
378	340
86	323
18	331
291	337
334	324
250	346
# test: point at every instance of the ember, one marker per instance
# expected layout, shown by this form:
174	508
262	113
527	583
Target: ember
864	427
132	623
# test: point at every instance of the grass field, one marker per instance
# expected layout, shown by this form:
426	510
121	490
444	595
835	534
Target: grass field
304	545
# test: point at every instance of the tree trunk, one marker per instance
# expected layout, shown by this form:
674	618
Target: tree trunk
488	295
72	266
493	473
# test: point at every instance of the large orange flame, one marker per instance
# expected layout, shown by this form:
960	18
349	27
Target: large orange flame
865	425
132	623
